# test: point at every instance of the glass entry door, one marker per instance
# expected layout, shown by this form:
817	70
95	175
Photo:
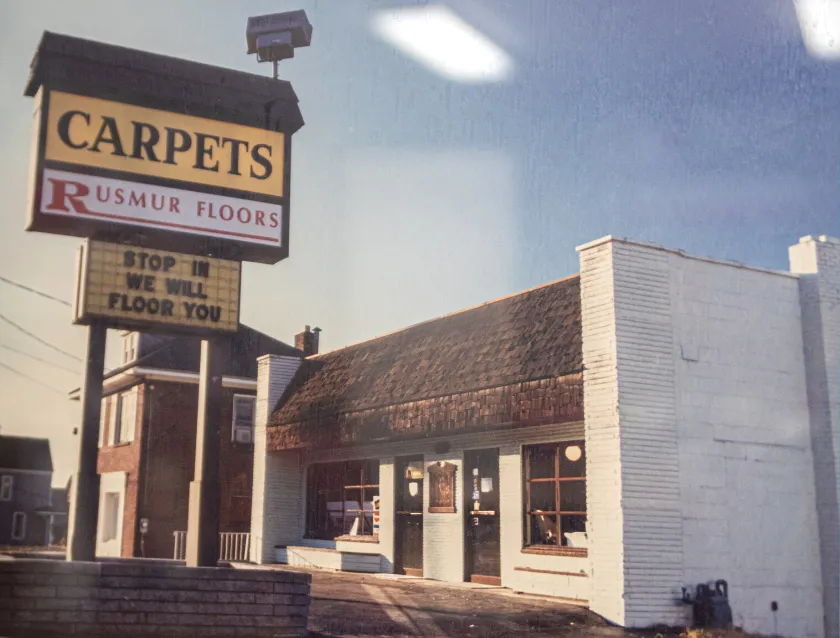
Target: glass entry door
408	548
482	547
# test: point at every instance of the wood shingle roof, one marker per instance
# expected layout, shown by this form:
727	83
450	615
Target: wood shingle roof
531	335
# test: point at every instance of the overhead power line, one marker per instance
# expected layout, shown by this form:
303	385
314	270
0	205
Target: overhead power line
32	356
28	378
32	290
37	338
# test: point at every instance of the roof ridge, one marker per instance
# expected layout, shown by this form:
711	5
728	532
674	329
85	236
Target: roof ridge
319	356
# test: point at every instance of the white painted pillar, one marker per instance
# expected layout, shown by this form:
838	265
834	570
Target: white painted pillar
634	519
275	502
817	261
387	513
511	510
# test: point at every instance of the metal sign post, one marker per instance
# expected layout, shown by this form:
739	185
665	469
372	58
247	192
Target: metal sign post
84	499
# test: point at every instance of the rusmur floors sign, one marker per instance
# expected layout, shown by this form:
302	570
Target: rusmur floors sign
127	154
126	164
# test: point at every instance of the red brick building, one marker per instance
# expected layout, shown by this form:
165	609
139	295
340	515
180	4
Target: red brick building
147	439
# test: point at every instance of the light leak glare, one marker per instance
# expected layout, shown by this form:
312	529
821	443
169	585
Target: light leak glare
438	39
819	21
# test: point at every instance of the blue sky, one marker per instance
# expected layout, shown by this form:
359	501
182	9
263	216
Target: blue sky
704	126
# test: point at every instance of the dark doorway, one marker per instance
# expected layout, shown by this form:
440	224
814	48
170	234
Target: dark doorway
482	560
408	542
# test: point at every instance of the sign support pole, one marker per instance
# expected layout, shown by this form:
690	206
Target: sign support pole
84	497
203	518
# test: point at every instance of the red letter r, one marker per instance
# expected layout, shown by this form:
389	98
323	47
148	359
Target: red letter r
62	194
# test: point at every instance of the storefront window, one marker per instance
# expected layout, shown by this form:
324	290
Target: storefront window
340	499
555	495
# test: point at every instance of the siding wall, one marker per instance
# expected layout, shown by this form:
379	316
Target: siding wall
698	432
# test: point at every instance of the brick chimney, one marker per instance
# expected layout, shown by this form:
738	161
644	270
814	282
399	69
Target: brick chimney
307	341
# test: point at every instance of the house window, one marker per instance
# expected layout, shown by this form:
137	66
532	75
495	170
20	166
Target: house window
244	408
123	417
555	495
18	526
340	499
129	347
7	483
110	515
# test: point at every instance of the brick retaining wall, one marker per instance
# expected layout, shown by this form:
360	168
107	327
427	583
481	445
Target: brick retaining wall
149	598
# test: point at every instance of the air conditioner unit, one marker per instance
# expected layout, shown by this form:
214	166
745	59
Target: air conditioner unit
242	436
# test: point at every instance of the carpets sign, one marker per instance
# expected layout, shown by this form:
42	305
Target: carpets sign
121	171
128	287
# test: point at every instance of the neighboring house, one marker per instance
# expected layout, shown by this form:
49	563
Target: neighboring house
147	439
25	490
657	421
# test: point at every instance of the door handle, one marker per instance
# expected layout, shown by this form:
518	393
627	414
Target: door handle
410	513
483	513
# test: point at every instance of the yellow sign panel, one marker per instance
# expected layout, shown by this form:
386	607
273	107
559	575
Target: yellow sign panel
127	287
123	137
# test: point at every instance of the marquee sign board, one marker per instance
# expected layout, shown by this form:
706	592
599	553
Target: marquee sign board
137	148
133	288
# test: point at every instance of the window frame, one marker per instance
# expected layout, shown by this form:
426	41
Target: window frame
7	487
234	427
122	417
107	534
114	417
528	546
130	343
349	482
22	531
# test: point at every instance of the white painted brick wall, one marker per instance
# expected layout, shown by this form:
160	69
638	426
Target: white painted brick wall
749	514
605	517
648	439
698	460
443	534
276	486
818	261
